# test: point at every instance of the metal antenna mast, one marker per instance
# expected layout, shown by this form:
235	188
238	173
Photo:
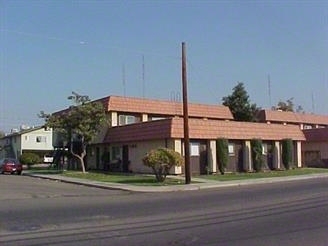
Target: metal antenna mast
143	76
313	106
269	90
123	78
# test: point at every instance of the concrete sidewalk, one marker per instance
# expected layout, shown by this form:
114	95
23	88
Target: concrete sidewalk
201	183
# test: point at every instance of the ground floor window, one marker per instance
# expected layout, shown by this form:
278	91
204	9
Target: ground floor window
231	149
194	149
116	152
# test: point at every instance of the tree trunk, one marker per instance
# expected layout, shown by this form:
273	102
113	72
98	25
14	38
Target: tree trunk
80	157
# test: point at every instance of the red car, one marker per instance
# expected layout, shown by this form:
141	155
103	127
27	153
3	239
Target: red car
10	165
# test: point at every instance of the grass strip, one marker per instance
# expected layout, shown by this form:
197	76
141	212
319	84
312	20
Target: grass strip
149	180
263	174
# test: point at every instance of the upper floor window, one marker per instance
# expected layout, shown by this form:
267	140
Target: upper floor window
307	127
126	119
41	139
152	118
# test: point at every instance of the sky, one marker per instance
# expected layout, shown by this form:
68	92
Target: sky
278	49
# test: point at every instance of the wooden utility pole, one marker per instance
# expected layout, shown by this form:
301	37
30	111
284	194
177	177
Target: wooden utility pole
185	116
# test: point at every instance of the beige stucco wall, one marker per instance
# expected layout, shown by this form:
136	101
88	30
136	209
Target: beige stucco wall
139	150
247	156
177	146
144	117
298	154
99	138
212	161
113	119
277	155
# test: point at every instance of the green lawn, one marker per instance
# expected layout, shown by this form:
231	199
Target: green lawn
264	174
133	179
123	178
149	180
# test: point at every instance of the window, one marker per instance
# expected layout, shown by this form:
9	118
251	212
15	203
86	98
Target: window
41	139
116	152
231	149
307	127
194	149
153	118
126	119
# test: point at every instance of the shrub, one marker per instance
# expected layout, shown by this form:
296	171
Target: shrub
287	152
257	157
30	159
222	154
161	160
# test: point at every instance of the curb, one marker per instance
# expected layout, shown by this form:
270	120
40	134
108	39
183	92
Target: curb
192	187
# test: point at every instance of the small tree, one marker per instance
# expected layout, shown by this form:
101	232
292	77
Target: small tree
29	159
222	154
78	124
257	157
161	160
287	152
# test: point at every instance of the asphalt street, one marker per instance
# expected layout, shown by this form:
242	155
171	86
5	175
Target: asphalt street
45	212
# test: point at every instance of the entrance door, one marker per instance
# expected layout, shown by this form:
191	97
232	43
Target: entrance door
198	157
125	158
203	158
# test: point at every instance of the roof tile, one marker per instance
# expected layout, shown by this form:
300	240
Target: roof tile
292	117
316	135
162	107
203	129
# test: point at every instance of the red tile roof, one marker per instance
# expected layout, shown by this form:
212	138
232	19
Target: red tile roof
292	117
162	107
316	135
202	129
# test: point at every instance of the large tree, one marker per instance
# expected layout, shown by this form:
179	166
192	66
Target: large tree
239	104
79	123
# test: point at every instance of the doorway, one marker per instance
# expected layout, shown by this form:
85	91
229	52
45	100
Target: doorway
125	160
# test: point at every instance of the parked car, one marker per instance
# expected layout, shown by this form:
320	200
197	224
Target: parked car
10	165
